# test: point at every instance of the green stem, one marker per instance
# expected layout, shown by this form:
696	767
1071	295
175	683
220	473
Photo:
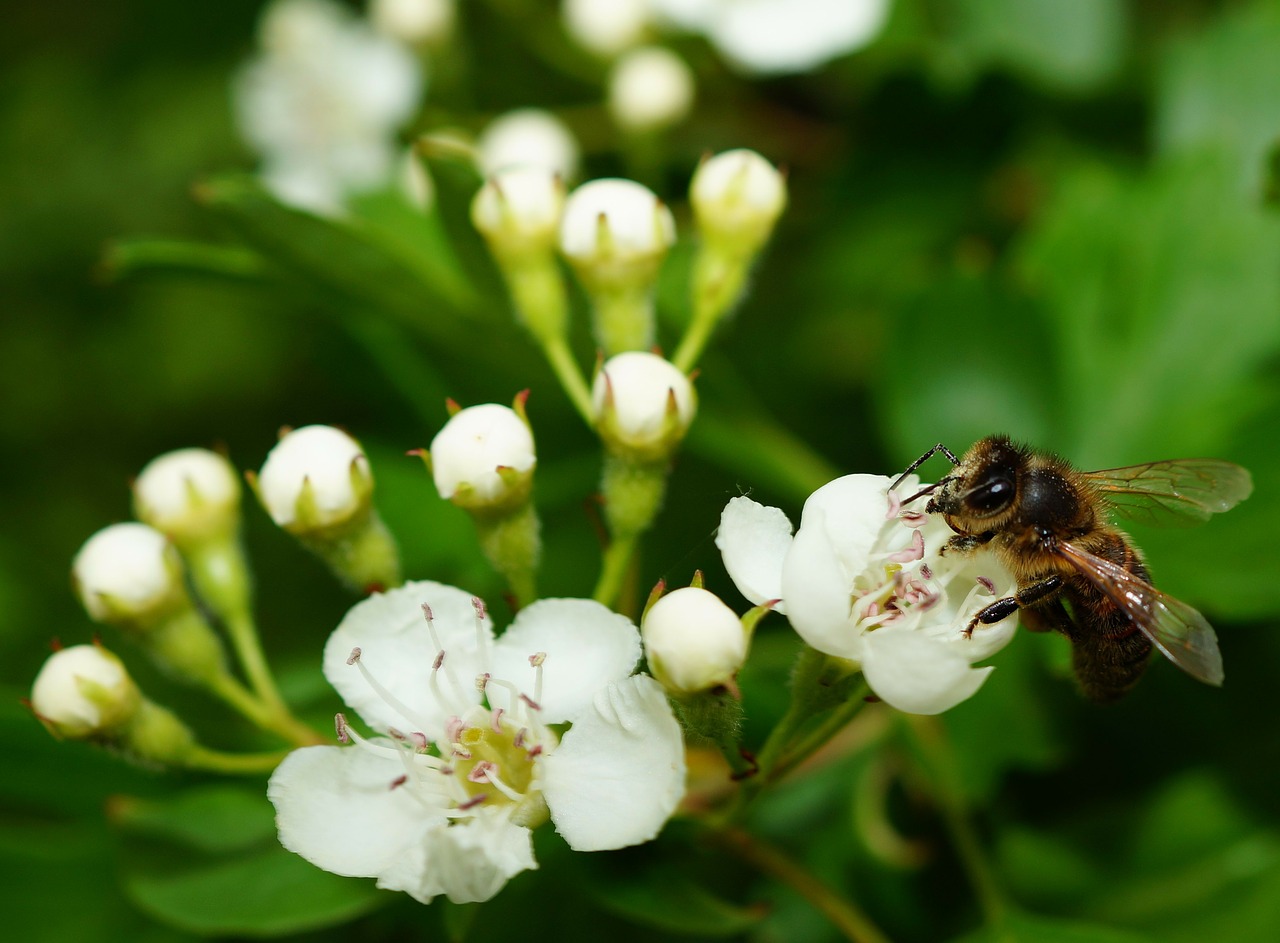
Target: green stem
613	572
243	764
718	280
845	916
248	648
276	720
566	370
810	743
931	738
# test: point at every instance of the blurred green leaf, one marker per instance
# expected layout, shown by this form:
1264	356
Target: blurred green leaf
208	819
1068	47
1029	928
1217	87
131	256
266	892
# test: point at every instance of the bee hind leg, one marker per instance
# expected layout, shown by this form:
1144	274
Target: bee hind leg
1026	596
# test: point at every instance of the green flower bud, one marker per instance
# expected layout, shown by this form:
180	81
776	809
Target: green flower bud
188	495
737	197
84	692
129	575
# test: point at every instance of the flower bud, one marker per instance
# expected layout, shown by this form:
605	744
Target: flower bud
737	197
650	89
483	458
189	495
83	691
128	574
528	137
606	27
644	405
416	22
518	211
616	233
693	641
315	478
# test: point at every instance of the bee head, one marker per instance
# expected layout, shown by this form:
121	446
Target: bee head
984	486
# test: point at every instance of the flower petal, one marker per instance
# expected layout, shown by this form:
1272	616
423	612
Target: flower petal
468	861
619	772
818	589
753	541
399	653
587	645
918	674
335	806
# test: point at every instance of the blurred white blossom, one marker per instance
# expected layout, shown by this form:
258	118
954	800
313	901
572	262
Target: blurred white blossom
650	88
778	36
471	752
528	137
862	582
417	22
606	27
323	101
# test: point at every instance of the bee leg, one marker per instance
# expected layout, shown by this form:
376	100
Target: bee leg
965	543
1051	616
1008	605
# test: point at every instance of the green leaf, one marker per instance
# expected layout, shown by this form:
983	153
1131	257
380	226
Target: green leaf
210	819
1218	86
1070	47
269	892
133	256
1029	928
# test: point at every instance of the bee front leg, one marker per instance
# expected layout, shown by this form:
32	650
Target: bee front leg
966	543
1003	608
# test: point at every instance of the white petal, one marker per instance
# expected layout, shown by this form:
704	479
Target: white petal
468	861
817	588
397	649
587	646
336	808
619	772
918	674
753	541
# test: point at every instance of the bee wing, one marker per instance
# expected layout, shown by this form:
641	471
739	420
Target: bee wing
1180	632
1183	490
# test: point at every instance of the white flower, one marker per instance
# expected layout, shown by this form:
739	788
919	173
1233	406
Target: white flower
443	803
649	89
484	457
323	101
528	137
615	218
417	22
188	493
644	405
737	197
83	691
606	27
127	572
315	477
518	210
858	584
692	640
779	36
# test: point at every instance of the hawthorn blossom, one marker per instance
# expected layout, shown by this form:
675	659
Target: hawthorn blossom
864	579
471	753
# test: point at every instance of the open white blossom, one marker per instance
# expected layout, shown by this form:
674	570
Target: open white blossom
467	760
322	103
771	37
864	581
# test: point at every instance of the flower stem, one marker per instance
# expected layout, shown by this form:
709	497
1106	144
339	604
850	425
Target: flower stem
566	370
243	764
615	565
247	644
844	915
278	720
930	736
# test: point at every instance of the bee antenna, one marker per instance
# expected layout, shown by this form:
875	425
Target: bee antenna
920	461
929	489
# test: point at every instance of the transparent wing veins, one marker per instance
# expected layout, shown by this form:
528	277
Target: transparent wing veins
1183	490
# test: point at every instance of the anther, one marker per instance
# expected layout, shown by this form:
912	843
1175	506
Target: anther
340	727
482	682
354	656
399	781
496	724
987	584
531	702
435	665
472	802
912	553
536	659
925	572
895	506
482	611
480	773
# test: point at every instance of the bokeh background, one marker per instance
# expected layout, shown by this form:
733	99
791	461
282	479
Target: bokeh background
1054	219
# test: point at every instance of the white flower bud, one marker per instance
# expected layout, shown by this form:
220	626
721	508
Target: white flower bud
518	210
649	89
528	137
616	232
316	477
484	458
693	641
737	197
606	27
643	404
416	22
127	573
83	691
188	494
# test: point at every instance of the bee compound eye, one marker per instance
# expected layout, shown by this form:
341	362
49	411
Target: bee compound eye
991	495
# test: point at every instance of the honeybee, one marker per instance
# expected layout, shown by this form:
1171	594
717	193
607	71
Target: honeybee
1076	572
